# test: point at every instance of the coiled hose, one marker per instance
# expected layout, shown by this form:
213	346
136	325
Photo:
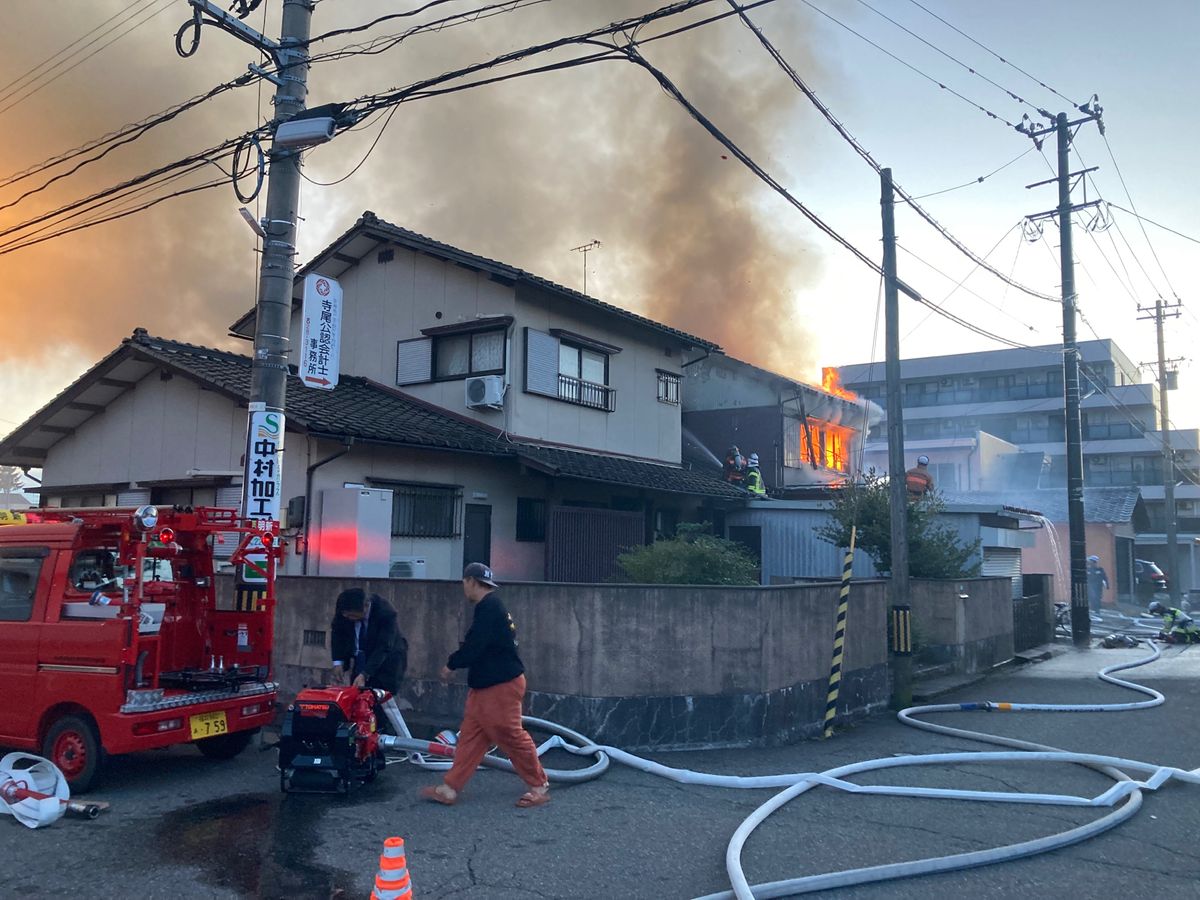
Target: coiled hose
1124	797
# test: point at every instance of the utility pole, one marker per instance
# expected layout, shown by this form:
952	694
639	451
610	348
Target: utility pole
901	659
1081	620
1159	314
265	428
268	385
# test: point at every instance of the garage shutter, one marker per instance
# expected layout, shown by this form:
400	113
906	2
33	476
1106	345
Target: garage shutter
414	361
139	497
1004	562
541	363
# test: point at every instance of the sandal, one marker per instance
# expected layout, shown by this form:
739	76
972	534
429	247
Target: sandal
534	798
437	793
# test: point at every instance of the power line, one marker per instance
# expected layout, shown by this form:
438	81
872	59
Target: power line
1139	217
1129	197
381	19
995	54
162	9
669	87
980	179
4	90
870	160
375	143
965	99
955	59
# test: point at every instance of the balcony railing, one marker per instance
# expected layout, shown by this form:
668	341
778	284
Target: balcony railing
586	393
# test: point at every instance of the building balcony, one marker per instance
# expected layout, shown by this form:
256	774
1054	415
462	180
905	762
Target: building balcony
586	393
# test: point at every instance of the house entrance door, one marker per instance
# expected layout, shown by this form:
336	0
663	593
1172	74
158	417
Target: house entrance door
477	534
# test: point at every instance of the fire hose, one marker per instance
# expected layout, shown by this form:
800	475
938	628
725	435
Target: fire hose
1124	798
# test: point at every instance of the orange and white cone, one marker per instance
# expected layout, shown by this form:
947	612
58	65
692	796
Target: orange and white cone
392	882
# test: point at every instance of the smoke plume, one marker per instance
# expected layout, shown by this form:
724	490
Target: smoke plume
521	171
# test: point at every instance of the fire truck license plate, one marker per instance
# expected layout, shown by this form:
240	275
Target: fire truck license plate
207	725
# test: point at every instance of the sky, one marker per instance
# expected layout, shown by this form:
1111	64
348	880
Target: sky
526	170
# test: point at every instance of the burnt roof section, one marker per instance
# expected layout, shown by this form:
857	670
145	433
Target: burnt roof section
583	466
386	233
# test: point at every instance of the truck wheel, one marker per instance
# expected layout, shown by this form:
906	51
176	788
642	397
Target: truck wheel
226	746
73	745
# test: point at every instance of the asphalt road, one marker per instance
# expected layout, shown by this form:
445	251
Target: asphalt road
182	826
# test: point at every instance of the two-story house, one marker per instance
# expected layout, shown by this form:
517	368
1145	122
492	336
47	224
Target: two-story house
505	419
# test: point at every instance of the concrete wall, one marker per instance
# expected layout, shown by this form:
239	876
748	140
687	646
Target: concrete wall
967	624
388	302
638	666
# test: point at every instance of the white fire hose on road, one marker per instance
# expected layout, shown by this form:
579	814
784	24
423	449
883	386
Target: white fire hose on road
1124	797
32	790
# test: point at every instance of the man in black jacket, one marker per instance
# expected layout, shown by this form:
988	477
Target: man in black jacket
365	641
496	677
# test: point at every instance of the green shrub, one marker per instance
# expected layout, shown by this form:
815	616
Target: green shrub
693	556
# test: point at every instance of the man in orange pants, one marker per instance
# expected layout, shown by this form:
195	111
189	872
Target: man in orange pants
496	678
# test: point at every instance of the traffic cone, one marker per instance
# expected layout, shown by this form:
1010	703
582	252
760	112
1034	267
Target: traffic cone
392	882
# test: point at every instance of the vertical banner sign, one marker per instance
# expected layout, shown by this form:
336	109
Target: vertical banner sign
264	476
320	333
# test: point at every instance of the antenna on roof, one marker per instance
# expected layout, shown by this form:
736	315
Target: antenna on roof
585	249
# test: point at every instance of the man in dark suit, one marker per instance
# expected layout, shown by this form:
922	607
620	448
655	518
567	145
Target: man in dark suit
365	641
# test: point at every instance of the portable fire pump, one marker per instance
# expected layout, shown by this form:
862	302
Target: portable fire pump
330	740
112	635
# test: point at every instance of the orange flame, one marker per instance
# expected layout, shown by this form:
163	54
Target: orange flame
830	445
831	381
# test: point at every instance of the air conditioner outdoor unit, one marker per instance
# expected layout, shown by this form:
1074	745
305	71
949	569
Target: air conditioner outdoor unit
485	392
407	567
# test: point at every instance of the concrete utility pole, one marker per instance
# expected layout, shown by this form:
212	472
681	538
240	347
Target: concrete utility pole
268	386
1159	314
897	492
1081	620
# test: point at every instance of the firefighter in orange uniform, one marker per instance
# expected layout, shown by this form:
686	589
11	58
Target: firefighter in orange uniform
917	480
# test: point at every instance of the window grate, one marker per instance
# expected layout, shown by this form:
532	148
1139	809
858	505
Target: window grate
420	510
668	387
314	638
531	519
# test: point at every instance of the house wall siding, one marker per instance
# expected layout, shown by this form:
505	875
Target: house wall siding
385	303
156	430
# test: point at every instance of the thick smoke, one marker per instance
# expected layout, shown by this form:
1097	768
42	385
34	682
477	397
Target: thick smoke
521	171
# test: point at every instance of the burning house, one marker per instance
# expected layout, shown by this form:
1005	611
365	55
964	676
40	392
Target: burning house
804	435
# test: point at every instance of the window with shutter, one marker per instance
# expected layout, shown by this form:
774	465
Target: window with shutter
414	361
541	363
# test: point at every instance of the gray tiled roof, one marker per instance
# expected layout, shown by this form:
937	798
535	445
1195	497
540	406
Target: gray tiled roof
371	412
369	221
355	408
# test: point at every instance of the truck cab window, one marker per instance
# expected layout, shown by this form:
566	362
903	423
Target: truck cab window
94	570
18	581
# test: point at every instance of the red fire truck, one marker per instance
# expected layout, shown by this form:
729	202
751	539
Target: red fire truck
111	639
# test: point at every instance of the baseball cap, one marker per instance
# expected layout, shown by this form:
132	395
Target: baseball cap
480	573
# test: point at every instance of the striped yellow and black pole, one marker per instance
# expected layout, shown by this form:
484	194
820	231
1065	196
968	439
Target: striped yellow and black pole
839	638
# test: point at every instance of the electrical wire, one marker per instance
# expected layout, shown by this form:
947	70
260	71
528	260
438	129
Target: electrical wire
381	19
870	160
375	143
980	179
1012	94
385	43
4	90
162	9
988	49
1139	217
963	97
1129	197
